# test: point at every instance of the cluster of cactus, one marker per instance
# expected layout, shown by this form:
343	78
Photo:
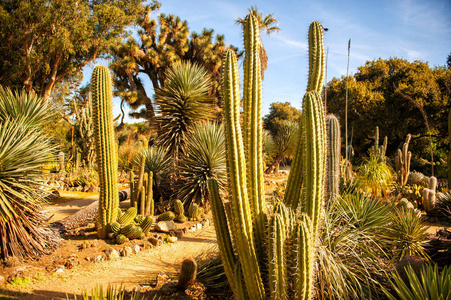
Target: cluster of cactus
179	212
378	151
141	192
85	128
429	195
402	162
195	213
105	145
277	247
333	157
129	225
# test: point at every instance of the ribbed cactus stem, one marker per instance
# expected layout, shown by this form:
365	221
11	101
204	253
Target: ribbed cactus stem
149	198
142	200
140	183
132	188
316	57
252	104
276	258
303	260
236	167
102	101
224	240
333	157
402	162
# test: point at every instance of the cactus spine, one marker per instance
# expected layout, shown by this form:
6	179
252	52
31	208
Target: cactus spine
402	162
333	157
102	101
239	221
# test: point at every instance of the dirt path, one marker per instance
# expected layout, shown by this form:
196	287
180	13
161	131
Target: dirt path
136	270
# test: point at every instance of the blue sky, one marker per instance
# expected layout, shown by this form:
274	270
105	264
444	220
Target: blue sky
408	29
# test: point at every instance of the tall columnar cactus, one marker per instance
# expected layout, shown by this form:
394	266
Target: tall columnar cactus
149	198
286	245
378	151
333	157
402	162
429	195
102	101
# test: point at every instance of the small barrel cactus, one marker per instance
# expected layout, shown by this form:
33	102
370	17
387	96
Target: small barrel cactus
188	273
128	216
120	239
178	207
146	224
114	227
167	216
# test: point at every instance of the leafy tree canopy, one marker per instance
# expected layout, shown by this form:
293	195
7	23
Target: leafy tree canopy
278	113
47	41
398	96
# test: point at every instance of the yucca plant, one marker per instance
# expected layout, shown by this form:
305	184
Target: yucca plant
158	161
182	101
284	144
352	259
375	176
25	151
443	206
408	233
204	159
429	284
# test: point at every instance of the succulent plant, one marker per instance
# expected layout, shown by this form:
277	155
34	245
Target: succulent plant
178	207
128	216
167	216
146	224
114	227
102	103
120	239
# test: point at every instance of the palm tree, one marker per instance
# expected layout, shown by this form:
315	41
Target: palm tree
268	24
24	151
204	159
182	101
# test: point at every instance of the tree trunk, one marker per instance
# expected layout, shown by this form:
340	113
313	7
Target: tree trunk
85	215
274	164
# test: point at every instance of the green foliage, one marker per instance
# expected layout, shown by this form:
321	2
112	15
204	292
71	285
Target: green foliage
379	89
375	176
354	241
111	293
408	233
429	284
25	151
278	113
182	101
204	159
50	41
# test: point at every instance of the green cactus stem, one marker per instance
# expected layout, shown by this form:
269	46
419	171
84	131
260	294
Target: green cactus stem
303	261
140	183
128	216
149	199
317	59
132	189
276	258
333	157
402	162
102	101
142	200
252	103
167	216
449	151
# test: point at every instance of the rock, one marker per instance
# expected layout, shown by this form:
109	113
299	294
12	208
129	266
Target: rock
126	251
165	226
136	249
169	288
2	280
155	241
111	253
59	270
69	264
162	278
88	258
98	258
172	239
199	225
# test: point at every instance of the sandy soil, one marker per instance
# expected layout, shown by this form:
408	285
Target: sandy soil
138	270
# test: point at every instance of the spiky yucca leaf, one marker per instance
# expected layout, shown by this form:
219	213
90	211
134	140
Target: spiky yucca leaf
353	243
429	284
181	102
111	293
375	176
24	151
204	159
33	110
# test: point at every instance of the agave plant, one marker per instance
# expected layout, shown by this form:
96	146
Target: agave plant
111	293
182	101
429	284
24	151
204	159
